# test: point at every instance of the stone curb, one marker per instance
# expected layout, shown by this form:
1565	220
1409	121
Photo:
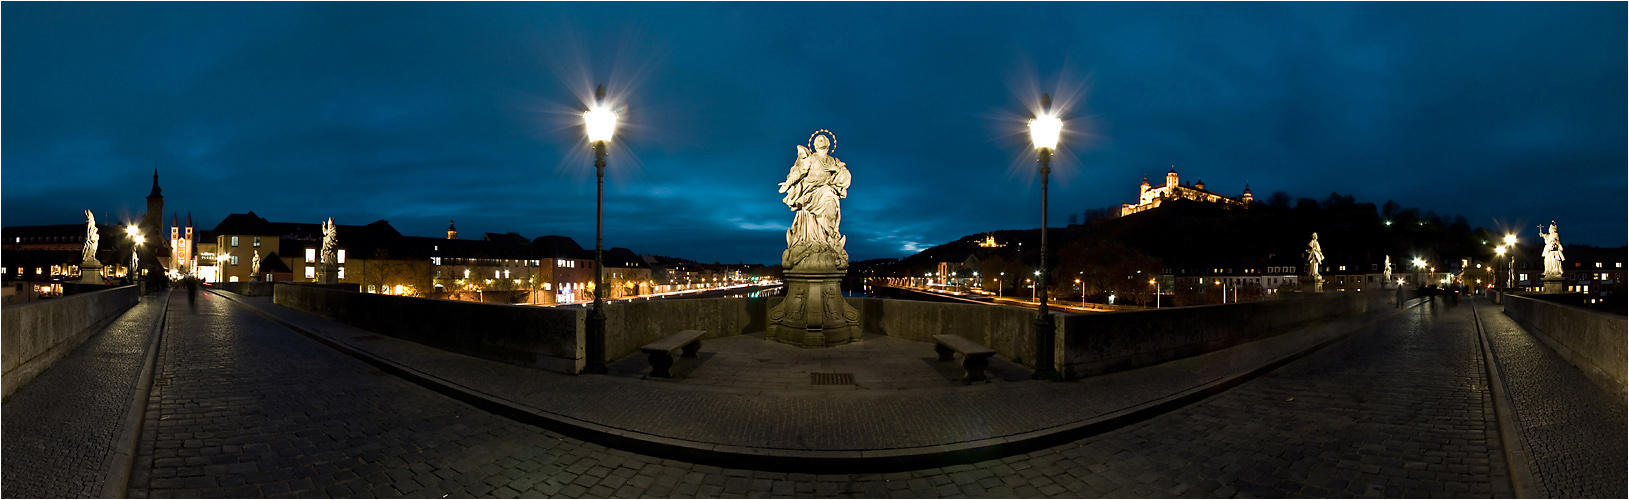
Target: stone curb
117	479
813	461
1522	483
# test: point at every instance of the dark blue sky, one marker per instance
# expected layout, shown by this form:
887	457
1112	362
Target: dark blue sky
423	112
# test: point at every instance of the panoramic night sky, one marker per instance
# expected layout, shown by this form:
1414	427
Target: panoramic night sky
424	112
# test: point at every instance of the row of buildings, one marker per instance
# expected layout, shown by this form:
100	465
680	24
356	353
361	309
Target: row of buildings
1592	271
502	268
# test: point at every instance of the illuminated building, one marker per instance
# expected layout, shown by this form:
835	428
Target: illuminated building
1151	197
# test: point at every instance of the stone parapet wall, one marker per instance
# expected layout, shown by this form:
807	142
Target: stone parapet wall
246	288
1008	330
540	337
35	335
1094	344
631	324
1592	341
1086	344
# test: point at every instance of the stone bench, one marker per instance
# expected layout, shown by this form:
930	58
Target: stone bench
661	351
975	357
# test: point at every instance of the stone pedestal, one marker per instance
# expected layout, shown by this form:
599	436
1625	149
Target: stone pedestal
90	272
327	274
1554	284
814	313
1314	285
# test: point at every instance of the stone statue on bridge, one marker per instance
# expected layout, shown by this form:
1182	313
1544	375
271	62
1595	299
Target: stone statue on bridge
254	267
327	272
1552	251
1385	277
1315	256
87	255
813	187
814	313
90	269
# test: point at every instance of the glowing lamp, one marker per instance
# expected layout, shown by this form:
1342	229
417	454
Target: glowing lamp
139	239
1510	239
1500	250
600	120
1044	131
131	230
601	123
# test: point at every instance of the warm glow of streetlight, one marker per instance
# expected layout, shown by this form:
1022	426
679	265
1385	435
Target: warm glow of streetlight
601	122
131	230
1500	250
1510	239
139	239
1044	131
1419	263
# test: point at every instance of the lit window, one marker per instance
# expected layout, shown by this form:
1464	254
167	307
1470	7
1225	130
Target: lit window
257	241
310	272
466	274
234	243
310	255
1597	265
341	273
233	279
371	289
497	274
435	260
341	257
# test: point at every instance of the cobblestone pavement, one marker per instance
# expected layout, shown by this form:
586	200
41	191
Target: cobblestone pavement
59	431
1574	430
253	409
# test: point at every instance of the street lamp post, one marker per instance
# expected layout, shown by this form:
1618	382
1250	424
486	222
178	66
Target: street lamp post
601	123
1501	251
1156	284
1044	131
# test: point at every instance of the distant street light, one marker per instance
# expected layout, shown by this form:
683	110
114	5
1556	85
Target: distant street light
1156	284
1044	131
601	123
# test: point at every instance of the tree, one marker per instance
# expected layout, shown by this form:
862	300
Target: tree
1279	200
1390	210
1072	219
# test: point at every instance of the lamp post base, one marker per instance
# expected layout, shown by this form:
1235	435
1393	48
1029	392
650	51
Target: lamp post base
814	313
1315	285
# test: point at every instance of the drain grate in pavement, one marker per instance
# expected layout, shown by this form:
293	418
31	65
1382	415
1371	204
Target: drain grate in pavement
831	378
366	337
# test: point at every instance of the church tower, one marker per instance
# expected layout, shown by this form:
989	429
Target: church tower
1142	191
452	231
1247	198
1171	178
152	230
